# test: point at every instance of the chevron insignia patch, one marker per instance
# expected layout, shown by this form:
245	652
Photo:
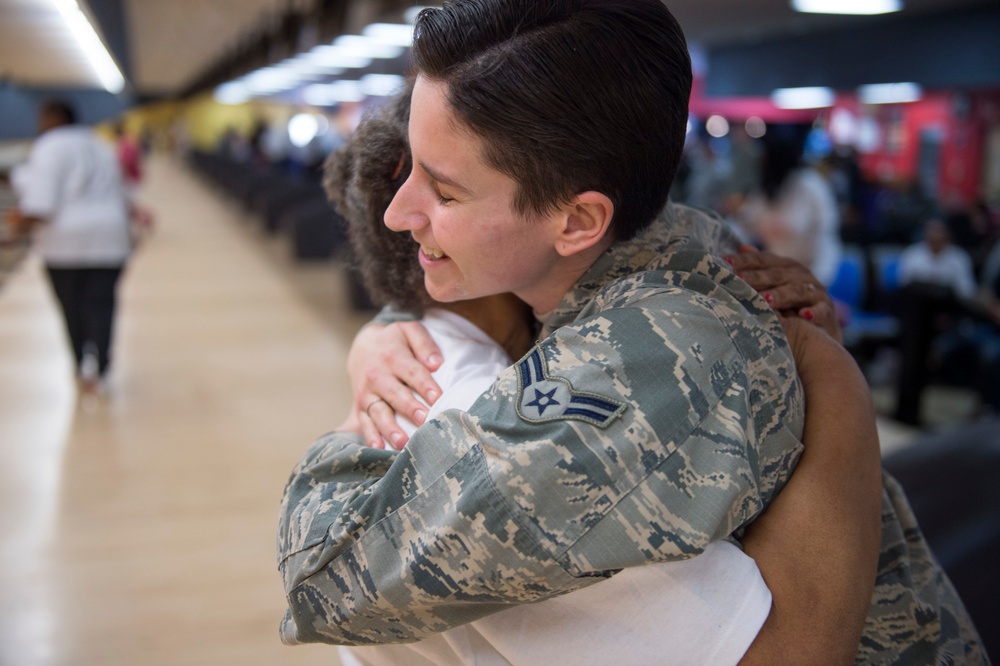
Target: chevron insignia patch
543	398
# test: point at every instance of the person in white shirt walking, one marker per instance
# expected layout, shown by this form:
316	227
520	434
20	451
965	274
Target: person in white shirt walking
72	195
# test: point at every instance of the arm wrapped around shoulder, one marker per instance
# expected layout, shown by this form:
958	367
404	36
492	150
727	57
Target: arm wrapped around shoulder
383	547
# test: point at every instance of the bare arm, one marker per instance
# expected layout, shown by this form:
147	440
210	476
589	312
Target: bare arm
817	544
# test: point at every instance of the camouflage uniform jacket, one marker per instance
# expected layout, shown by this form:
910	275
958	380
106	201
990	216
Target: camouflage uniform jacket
660	411
916	617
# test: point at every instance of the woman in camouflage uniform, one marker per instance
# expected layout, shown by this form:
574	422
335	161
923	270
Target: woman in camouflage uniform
658	412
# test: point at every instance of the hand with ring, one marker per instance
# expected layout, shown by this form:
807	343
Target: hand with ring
788	287
390	369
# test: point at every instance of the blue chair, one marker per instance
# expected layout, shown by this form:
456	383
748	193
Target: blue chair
865	330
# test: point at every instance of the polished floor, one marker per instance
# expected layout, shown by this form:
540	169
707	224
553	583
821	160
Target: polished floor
138	527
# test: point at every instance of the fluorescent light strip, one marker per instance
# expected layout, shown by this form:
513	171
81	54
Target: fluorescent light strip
802	98
91	45
336	56
233	92
381	85
859	7
392	34
889	93
328	94
364	47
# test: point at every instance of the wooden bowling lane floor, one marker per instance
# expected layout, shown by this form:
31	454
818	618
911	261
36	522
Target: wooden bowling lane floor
138	527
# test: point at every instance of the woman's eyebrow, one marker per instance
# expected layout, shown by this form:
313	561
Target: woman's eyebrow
441	178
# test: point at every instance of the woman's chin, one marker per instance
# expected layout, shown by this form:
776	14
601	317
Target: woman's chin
443	293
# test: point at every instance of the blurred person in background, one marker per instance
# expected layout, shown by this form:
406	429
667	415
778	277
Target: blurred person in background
972	229
72	195
935	296
705	181
743	175
988	341
843	171
937	261
129	157
971	349
794	213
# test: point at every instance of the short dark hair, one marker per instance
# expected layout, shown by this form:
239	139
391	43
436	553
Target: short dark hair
567	96
61	110
361	178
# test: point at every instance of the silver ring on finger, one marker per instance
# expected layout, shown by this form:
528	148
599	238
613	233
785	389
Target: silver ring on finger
372	403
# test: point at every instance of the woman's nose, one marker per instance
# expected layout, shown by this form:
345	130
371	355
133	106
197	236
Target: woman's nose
403	213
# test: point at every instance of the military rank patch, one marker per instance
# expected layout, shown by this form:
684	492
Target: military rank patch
542	398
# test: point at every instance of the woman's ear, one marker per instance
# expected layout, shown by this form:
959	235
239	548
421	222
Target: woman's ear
586	223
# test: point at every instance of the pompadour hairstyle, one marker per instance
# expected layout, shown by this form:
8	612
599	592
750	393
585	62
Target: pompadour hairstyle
567	96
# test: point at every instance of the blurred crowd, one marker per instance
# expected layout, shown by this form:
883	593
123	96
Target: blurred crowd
931	266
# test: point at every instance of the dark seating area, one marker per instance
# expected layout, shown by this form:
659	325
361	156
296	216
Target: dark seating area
865	287
295	206
951	478
883	318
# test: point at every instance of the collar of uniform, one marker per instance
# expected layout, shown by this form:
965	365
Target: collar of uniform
676	228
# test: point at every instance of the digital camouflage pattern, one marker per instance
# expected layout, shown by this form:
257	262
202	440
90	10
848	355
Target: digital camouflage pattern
699	415
488	509
916	616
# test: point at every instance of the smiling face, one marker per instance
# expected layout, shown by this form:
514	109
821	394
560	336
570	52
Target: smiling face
460	211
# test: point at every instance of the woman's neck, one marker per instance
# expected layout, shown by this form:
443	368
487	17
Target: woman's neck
504	317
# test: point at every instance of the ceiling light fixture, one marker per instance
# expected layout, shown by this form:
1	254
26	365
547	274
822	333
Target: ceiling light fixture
365	47
889	93
90	43
337	56
330	94
803	98
381	85
860	7
394	34
233	92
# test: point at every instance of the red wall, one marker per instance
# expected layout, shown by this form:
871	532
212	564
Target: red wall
963	120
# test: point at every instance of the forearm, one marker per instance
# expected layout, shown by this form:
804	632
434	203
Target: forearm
541	487
372	550
817	545
480	512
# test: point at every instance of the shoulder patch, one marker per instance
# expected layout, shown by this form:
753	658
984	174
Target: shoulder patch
542	398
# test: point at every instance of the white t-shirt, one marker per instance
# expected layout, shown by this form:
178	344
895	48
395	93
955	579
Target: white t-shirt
472	362
704	610
73	181
802	223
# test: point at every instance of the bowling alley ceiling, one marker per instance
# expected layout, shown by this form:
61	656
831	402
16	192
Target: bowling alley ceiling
164	45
